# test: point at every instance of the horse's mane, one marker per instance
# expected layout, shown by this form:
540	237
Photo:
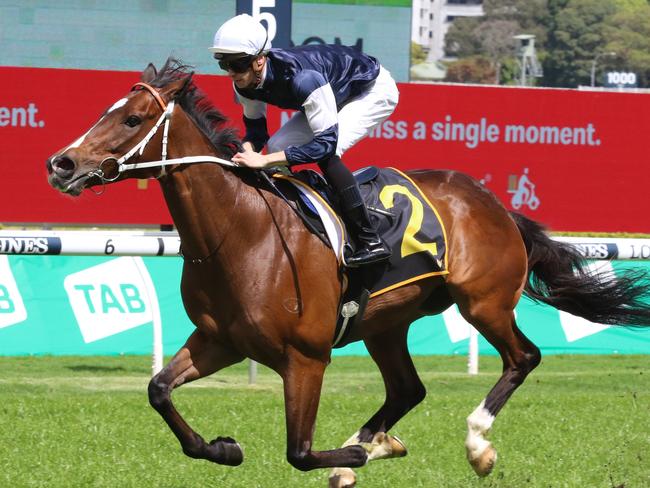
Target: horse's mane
200	109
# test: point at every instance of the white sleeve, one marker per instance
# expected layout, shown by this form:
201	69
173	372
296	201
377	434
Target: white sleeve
253	109
320	109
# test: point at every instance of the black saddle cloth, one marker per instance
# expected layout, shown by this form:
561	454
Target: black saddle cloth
404	217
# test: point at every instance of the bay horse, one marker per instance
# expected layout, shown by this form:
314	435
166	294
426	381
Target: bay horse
257	284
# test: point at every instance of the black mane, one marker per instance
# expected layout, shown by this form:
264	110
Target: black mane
201	110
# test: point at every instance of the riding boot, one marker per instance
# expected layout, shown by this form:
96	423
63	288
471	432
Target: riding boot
370	247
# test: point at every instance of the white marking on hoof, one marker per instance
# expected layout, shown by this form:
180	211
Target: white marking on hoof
397	446
484	464
342	478
480	453
384	446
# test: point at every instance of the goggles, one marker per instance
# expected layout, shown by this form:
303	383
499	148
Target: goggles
237	65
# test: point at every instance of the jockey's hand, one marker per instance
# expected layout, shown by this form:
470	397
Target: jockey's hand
250	158
253	159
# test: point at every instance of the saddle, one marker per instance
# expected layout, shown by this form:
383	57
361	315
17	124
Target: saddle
401	213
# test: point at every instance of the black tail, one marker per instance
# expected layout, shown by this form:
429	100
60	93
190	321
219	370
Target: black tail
560	279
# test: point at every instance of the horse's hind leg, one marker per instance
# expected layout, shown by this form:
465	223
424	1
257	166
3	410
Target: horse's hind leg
199	357
404	390
519	356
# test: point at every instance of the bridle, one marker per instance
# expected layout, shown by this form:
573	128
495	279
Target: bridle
165	118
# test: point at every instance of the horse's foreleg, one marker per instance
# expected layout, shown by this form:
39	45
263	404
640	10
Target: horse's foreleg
404	390
520	357
303	378
199	357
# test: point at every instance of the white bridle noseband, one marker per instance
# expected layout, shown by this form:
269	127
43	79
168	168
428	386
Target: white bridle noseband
165	118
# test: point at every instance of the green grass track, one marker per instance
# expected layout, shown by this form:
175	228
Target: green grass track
578	421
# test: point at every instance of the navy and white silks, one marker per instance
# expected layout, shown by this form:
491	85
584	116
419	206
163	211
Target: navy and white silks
340	95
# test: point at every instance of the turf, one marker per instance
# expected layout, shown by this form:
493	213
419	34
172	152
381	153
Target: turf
579	421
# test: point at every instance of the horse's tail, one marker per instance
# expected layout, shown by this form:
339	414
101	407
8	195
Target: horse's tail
561	279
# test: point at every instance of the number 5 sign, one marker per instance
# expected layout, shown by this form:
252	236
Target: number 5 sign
274	14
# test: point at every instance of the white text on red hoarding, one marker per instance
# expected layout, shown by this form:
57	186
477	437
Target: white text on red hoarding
20	116
474	133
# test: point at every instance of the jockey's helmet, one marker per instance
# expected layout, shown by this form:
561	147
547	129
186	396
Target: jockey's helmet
241	35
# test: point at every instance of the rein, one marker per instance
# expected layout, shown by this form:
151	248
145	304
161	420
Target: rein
165	118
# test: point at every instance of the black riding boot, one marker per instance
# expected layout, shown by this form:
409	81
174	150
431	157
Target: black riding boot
370	247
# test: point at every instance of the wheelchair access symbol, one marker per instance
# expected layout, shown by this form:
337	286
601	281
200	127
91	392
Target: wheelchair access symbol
523	191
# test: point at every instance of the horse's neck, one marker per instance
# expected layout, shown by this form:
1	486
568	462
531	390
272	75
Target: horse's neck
203	199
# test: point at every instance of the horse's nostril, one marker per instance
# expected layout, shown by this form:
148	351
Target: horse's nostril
63	165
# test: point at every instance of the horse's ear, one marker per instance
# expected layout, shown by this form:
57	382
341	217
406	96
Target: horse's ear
176	88
149	73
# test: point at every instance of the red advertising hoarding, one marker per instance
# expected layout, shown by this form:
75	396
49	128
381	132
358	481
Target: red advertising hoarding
575	160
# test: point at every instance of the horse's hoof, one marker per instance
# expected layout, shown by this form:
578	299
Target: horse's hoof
384	446
225	450
342	478
397	447
484	463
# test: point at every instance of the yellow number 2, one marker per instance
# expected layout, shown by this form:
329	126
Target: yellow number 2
410	245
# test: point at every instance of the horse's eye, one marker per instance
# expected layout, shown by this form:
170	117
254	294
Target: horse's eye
133	120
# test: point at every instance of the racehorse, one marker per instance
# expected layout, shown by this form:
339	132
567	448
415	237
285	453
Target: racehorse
258	284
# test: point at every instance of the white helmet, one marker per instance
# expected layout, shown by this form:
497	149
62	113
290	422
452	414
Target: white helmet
241	34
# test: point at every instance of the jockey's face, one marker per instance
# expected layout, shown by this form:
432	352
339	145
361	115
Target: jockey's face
244	71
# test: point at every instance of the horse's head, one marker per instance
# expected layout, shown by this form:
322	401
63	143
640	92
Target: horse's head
127	131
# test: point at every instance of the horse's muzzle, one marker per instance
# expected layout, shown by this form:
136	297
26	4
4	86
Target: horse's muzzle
63	167
61	171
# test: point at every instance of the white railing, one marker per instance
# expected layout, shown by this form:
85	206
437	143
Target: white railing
136	243
89	243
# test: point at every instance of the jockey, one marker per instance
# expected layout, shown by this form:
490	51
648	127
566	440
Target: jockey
340	95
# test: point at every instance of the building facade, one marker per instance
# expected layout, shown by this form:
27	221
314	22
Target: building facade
431	20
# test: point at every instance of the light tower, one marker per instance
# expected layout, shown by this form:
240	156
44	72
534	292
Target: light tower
527	57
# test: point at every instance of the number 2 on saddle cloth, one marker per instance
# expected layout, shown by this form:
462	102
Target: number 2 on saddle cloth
403	215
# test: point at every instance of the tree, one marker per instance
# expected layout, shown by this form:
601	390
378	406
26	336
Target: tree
575	39
491	36
570	36
498	43
461	40
475	69
531	16
628	35
417	54
631	4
